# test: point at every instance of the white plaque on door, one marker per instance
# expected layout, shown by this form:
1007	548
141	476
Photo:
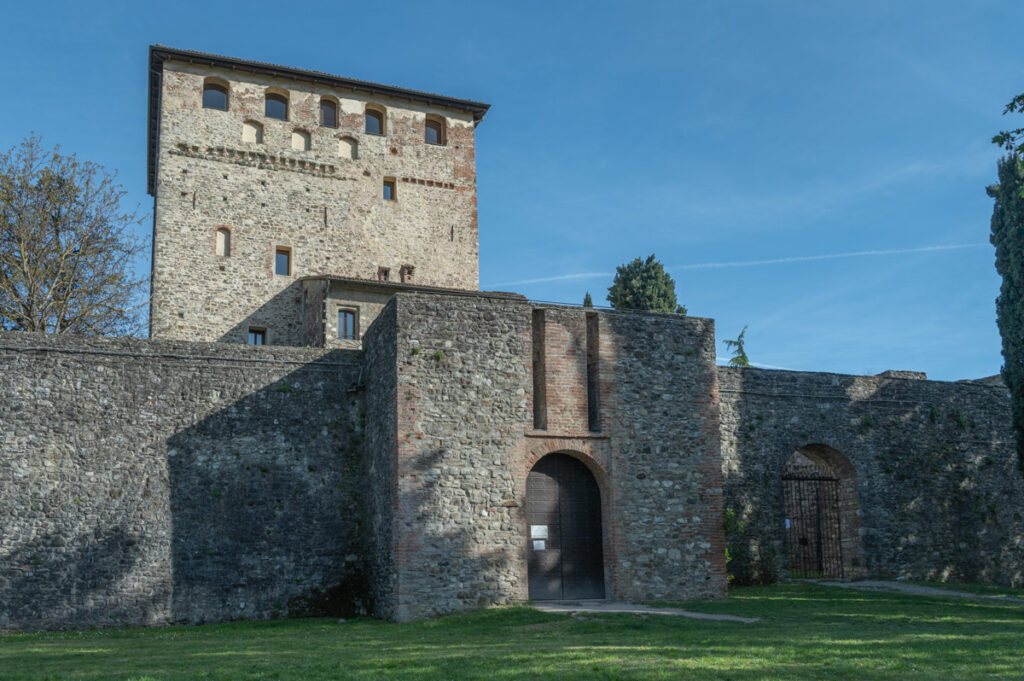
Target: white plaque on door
538	531
538	544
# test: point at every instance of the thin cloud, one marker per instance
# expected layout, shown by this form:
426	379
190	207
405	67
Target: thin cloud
824	256
753	263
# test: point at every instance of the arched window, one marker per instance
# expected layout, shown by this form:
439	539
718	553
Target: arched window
252	132
375	121
276	106
348	148
224	242
215	94
300	140
328	113
434	133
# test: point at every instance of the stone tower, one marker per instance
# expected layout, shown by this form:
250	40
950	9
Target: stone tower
290	204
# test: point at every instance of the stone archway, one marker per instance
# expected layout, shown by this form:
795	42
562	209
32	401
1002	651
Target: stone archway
822	514
565	554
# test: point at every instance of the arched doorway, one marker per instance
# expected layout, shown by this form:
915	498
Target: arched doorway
822	522
563	515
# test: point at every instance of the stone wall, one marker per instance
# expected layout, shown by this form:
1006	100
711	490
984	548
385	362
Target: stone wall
466	442
324	205
146	482
929	469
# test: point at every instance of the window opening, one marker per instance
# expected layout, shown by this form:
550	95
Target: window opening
224	242
346	325
215	96
283	261
383	274
374	122
276	106
257	336
390	194
434	132
328	113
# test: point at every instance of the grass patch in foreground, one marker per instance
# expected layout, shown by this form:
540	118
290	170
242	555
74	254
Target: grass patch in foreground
807	632
980	589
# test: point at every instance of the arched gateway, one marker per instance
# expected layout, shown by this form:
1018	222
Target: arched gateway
819	490
564	547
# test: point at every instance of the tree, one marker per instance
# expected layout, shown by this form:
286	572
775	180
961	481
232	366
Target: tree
644	285
1012	140
739	353
587	300
1008	238
66	247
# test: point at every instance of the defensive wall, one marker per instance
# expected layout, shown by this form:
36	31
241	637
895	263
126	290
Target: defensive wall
928	483
146	482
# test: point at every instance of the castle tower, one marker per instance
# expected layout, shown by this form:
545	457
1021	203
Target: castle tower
289	205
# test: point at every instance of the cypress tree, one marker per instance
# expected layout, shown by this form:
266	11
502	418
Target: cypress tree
1008	238
644	285
587	300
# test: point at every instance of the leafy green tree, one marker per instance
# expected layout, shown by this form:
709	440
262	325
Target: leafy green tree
587	300
1012	140
739	352
66	247
644	285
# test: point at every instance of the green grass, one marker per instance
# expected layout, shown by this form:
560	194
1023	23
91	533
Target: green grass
807	632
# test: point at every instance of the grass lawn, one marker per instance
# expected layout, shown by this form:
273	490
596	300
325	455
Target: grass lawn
807	632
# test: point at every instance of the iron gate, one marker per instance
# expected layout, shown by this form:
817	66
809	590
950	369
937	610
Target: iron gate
812	526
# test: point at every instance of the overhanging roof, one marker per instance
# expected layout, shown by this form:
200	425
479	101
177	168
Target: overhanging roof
158	54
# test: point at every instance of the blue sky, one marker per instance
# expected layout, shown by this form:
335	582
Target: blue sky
815	171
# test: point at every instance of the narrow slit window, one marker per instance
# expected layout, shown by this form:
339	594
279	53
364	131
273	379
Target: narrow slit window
389	189
257	336
346	325
383	274
283	261
223	242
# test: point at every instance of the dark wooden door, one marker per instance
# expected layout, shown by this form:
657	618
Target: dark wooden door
563	515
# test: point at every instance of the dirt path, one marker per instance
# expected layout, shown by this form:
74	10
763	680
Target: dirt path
569	607
905	588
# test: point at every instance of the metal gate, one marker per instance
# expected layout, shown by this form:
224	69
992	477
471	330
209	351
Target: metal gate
564	547
812	526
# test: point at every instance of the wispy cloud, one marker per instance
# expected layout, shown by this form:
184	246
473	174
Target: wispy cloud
754	263
824	256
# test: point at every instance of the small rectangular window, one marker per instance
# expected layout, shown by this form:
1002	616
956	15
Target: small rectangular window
383	274
346	325
257	336
328	113
283	261
389	189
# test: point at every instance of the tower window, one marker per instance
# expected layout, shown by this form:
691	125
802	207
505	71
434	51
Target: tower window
434	131
389	189
257	336
215	94
283	261
374	122
224	242
328	113
252	132
276	106
383	274
346	325
348	148
405	273
300	140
